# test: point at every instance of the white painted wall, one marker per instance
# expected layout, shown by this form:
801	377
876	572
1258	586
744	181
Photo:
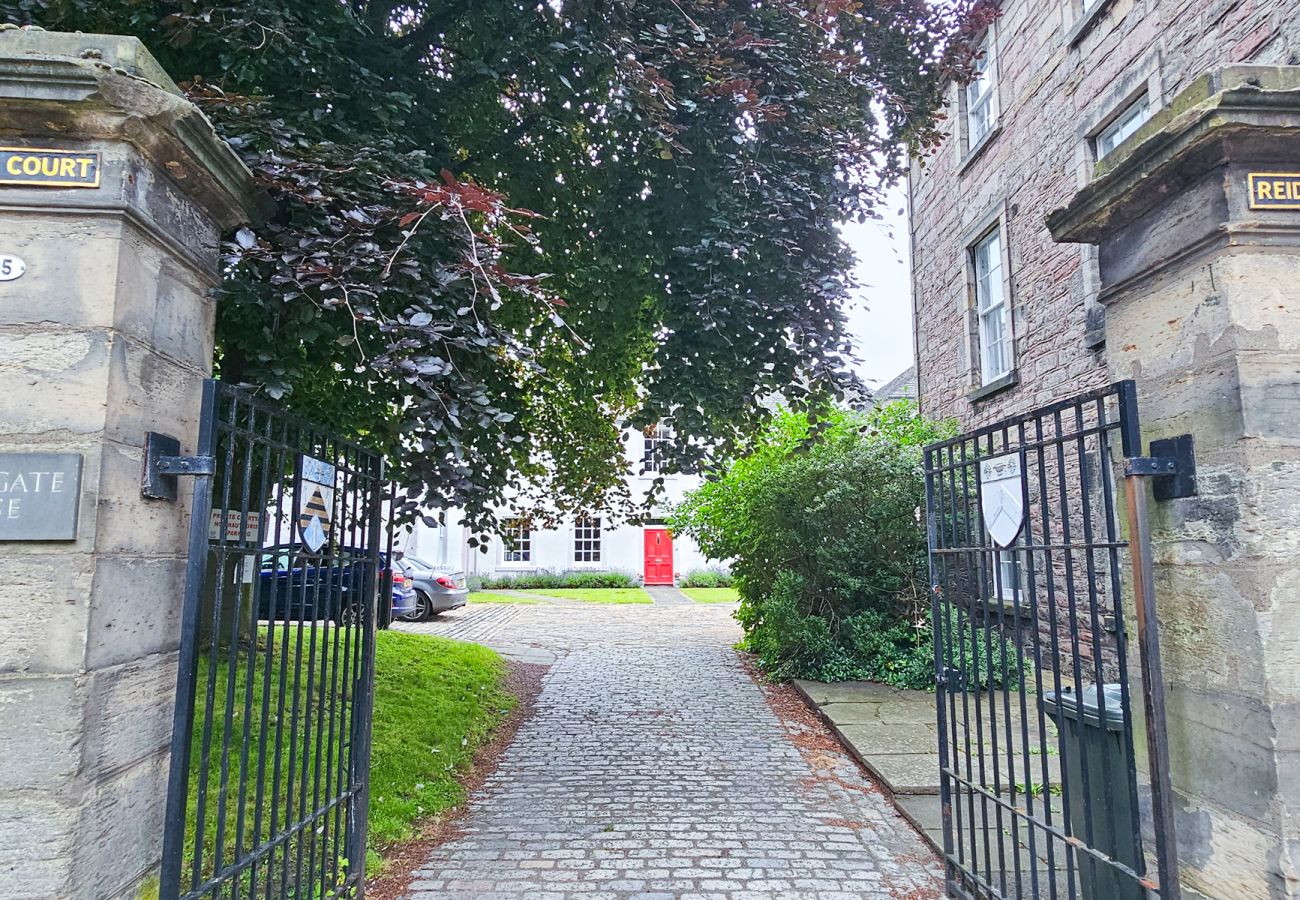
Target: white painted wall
622	547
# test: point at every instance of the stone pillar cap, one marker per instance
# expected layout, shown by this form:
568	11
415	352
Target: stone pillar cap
1241	112
59	85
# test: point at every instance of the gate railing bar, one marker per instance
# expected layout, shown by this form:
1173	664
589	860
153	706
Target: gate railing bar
325	736
975	659
256	856
246	769
956	645
1072	611
1049	571
969	572
366	671
1153	695
1100	545
278	774
1072	840
303	426
1094	621
1025	751
276	453
330	562
329	711
169	875
938	618
232	655
1036	645
225	462
1041	412
989	585
338	721
944	631
1088	431
1107	471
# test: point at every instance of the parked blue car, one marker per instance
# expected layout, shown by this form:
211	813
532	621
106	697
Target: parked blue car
294	588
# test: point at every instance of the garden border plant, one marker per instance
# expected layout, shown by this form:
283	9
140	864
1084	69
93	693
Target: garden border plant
712	577
546	579
823	519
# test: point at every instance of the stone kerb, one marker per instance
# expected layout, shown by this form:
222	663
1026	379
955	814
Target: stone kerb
107	334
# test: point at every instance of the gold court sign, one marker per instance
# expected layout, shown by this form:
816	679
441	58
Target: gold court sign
48	168
1274	190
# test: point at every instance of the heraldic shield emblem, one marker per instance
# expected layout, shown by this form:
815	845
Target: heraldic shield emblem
1002	498
315	500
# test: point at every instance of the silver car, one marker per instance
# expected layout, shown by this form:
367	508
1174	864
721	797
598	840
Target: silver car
436	590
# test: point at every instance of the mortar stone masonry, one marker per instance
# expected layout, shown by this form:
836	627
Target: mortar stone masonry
107	335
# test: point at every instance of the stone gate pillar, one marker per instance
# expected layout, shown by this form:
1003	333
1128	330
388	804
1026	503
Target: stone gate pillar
113	191
1199	246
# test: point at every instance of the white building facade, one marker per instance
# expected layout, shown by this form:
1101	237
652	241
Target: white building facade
646	550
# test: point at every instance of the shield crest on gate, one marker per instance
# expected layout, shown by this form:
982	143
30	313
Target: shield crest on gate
315	500
1002	498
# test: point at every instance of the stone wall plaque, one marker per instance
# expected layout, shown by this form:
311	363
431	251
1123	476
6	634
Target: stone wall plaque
38	167
39	496
1274	190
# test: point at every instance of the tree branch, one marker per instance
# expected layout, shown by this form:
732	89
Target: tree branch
378	13
433	25
503	139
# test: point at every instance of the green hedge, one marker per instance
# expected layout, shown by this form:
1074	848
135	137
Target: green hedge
823	522
706	578
547	579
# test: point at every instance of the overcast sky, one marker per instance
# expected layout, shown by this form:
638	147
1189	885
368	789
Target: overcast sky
880	317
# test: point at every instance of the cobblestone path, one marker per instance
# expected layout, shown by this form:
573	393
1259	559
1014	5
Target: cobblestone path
656	768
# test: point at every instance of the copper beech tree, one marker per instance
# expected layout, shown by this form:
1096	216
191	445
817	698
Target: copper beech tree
504	232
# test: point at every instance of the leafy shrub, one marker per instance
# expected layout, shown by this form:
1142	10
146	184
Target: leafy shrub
550	580
706	578
823	522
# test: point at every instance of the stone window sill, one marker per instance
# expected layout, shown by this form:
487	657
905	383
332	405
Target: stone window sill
997	386
1085	23
1000	606
977	151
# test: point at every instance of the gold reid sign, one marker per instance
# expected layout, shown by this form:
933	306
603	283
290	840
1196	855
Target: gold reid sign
1274	190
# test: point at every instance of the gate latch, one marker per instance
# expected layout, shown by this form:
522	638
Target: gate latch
1171	466
951	679
163	464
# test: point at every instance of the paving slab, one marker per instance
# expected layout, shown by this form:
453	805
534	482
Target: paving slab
852	713
904	773
889	730
918	707
878	738
821	692
668	595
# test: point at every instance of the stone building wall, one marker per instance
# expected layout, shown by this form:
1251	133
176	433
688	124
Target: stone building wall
1060	76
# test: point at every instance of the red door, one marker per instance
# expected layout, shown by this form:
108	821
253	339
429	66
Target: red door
658	556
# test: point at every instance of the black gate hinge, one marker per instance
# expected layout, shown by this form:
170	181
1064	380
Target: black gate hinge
1171	466
163	464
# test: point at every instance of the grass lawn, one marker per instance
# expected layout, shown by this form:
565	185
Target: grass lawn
599	595
712	595
436	701
494	597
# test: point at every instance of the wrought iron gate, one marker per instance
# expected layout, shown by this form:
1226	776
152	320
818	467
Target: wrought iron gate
1040	785
271	741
